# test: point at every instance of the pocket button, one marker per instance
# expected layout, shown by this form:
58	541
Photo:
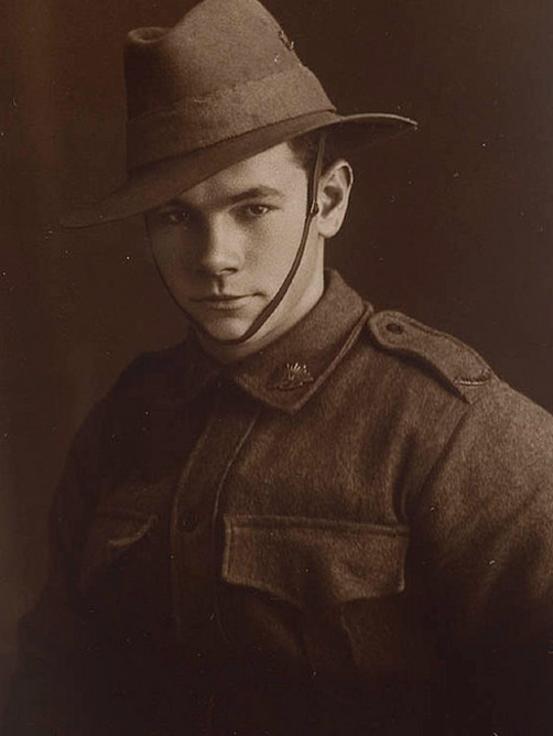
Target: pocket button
189	521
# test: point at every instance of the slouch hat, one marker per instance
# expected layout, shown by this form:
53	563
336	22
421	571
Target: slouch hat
222	85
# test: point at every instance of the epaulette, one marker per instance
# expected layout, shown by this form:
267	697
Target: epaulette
461	367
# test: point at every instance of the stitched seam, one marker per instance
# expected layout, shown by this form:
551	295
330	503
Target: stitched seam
338	358
215	515
301	522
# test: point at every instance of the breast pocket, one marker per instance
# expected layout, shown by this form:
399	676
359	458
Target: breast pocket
111	537
124	578
319	574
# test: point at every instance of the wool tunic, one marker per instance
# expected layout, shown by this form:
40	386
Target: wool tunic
349	532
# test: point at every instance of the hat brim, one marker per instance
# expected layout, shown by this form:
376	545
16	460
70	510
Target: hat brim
155	184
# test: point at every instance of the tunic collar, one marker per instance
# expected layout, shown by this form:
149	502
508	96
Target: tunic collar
286	373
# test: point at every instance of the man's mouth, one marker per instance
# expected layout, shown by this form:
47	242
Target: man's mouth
223	301
221	297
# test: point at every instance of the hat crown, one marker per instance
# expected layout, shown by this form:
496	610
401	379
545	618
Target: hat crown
217	45
225	69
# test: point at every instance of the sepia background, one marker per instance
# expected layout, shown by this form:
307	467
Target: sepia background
453	224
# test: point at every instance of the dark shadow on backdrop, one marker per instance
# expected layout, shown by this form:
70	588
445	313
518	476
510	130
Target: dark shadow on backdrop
453	224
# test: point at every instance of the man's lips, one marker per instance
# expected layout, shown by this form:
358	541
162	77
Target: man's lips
224	301
221	298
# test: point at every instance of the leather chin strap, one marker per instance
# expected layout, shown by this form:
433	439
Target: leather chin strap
312	211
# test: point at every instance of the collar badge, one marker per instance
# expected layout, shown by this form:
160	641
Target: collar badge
292	376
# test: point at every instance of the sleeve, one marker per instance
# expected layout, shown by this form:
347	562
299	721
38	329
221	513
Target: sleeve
57	687
484	523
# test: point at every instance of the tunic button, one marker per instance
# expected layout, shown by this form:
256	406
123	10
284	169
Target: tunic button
395	328
189	522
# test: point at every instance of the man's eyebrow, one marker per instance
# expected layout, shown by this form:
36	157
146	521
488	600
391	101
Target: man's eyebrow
248	194
255	193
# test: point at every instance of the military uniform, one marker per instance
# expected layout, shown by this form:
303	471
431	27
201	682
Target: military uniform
348	533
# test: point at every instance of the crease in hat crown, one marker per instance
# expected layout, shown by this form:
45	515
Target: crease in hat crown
225	69
220	86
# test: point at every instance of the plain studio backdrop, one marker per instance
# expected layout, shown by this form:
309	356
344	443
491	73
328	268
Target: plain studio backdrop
452	225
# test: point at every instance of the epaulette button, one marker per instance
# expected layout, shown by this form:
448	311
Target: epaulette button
395	327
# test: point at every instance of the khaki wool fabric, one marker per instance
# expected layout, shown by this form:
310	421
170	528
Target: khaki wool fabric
347	533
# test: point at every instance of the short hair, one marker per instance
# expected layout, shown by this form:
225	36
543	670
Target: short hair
304	148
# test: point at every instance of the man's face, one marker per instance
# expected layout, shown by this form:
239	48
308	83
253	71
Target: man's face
225	246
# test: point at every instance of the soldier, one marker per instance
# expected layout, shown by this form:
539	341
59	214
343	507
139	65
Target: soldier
310	517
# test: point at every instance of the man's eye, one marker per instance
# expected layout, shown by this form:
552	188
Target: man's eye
256	210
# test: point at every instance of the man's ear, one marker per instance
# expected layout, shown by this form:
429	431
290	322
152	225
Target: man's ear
334	190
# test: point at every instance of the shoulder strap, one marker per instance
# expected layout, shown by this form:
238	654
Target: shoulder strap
463	369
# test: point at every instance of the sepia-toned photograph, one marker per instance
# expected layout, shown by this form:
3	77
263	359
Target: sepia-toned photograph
276	312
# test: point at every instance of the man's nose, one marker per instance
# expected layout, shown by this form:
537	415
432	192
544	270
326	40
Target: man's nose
220	248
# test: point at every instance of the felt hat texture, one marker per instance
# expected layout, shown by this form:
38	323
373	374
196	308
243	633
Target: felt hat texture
222	85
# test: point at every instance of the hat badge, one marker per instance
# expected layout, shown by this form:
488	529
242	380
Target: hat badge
290	45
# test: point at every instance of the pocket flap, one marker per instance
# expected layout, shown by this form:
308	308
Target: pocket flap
111	534
314	562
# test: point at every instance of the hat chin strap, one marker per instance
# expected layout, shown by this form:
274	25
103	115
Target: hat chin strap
312	211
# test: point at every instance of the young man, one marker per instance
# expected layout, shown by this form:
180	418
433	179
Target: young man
309	517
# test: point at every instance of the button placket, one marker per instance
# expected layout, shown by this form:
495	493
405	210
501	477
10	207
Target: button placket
194	563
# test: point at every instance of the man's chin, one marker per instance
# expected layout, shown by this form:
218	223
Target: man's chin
224	330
